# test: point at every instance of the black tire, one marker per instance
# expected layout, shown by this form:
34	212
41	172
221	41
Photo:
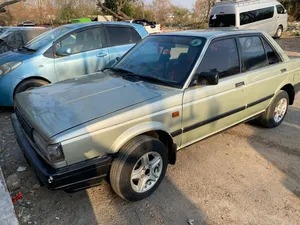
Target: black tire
128	157
267	118
278	32
29	84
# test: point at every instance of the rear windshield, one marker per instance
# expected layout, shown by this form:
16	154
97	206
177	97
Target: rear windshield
223	20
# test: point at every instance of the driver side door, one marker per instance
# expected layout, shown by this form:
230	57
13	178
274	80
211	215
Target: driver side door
208	109
87	53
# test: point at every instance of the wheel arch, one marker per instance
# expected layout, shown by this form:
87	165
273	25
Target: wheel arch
30	78
289	89
154	129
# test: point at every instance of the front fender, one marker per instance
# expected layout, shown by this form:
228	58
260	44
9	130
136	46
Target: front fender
135	131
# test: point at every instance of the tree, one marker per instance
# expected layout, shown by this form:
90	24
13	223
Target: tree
162	10
4	4
202	9
181	15
116	8
142	11
293	7
67	12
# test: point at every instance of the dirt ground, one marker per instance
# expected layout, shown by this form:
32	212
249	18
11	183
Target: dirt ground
245	175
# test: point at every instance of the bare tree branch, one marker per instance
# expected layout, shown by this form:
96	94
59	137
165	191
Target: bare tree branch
9	3
120	15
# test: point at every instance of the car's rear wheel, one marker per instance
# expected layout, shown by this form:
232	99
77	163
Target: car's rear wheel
276	112
279	32
29	84
139	168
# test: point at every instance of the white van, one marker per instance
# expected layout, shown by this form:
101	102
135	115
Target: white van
267	15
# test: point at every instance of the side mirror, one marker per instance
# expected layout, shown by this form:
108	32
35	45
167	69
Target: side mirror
208	78
285	11
118	59
64	51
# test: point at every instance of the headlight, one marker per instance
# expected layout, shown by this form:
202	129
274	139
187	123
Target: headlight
7	67
52	152
55	153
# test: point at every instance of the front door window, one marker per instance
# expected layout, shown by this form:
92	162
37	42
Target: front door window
82	41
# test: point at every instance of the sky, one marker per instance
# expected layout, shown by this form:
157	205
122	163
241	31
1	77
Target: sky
185	3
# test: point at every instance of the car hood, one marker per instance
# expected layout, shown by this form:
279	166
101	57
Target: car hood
14	56
56	108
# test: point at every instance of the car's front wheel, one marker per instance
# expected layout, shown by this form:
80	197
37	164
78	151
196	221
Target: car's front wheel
276	112
139	168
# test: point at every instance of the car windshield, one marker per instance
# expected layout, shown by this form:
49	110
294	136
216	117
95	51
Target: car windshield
222	20
47	37
165	58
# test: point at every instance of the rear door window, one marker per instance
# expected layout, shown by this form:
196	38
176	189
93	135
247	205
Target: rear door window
222	57
122	35
253	53
222	20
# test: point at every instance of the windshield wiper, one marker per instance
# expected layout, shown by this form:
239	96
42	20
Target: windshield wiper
128	73
28	49
117	70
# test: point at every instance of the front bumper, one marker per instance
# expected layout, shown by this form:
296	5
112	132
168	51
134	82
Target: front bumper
75	177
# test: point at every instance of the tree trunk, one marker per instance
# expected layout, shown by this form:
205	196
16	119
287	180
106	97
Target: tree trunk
120	15
208	8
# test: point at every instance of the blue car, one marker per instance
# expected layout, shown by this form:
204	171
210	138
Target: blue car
65	52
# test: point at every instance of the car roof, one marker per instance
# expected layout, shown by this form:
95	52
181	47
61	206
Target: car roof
210	33
79	25
25	28
245	2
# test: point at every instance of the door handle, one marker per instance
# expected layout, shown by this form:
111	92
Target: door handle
239	84
102	54
283	70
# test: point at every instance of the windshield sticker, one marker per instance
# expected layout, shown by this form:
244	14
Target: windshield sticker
214	17
196	42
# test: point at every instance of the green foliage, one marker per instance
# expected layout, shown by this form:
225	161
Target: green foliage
293	7
181	15
140	12
128	8
296	33
67	12
111	4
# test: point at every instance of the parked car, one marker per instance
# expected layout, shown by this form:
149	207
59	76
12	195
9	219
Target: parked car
65	52
169	91
151	26
2	29
12	38
269	16
27	23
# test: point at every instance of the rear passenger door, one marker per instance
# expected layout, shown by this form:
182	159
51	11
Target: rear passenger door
120	39
209	109
264	71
